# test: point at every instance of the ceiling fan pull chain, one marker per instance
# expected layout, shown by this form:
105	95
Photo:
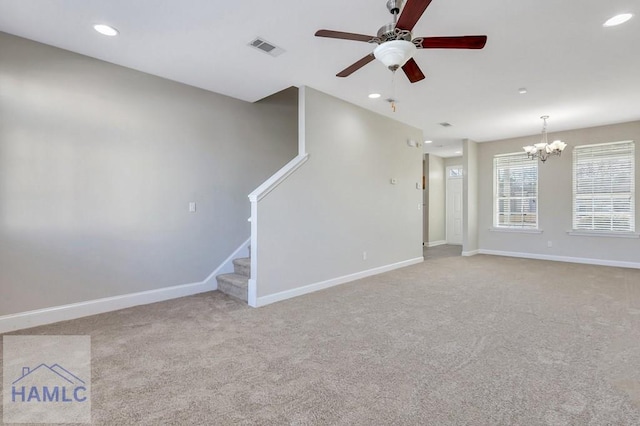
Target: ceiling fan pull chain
393	91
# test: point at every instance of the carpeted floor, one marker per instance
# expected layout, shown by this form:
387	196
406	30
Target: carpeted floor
477	341
447	250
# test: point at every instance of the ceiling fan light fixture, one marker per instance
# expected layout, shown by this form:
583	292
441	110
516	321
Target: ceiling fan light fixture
395	53
396	44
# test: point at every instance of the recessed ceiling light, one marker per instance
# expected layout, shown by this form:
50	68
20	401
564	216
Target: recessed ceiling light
374	95
618	19
428	141
105	30
522	90
458	152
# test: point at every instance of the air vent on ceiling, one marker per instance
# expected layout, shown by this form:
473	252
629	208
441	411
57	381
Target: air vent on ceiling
266	47
445	124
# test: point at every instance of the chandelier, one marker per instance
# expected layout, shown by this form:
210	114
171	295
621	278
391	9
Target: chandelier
544	149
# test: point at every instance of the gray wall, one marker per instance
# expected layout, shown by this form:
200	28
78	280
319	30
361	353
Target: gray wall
452	161
317	223
98	164
437	197
471	197
555	200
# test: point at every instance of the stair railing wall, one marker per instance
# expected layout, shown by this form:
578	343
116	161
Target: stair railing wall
266	187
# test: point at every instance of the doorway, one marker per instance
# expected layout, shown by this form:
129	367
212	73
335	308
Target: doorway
454	199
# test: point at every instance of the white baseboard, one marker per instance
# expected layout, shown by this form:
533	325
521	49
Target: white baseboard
583	260
252	296
288	294
436	243
44	316
470	253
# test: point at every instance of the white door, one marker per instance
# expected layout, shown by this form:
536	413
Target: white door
454	205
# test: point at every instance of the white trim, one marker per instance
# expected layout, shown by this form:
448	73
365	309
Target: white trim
579	147
436	243
54	314
252	293
578	233
302	120
226	267
583	260
252	286
270	184
517	230
288	294
470	253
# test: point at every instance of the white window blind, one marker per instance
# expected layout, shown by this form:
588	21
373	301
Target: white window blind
515	191
604	187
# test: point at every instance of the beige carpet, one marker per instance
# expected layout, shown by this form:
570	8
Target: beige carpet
452	341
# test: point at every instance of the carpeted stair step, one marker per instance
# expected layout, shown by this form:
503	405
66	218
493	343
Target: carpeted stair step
234	285
242	266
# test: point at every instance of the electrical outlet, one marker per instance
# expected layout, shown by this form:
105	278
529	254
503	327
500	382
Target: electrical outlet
364	255
549	243
192	207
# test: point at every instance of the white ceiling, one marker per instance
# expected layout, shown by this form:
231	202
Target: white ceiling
575	70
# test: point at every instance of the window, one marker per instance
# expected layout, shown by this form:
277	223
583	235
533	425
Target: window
604	187
455	172
516	191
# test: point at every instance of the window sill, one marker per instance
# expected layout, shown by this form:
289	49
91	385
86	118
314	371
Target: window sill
603	234
517	230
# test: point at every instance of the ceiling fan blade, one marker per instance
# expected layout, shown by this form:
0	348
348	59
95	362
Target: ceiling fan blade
413	71
460	42
343	36
411	12
355	67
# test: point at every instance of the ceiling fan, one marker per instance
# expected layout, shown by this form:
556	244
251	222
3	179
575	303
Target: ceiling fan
396	46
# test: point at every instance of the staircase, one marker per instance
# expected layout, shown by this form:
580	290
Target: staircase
236	284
